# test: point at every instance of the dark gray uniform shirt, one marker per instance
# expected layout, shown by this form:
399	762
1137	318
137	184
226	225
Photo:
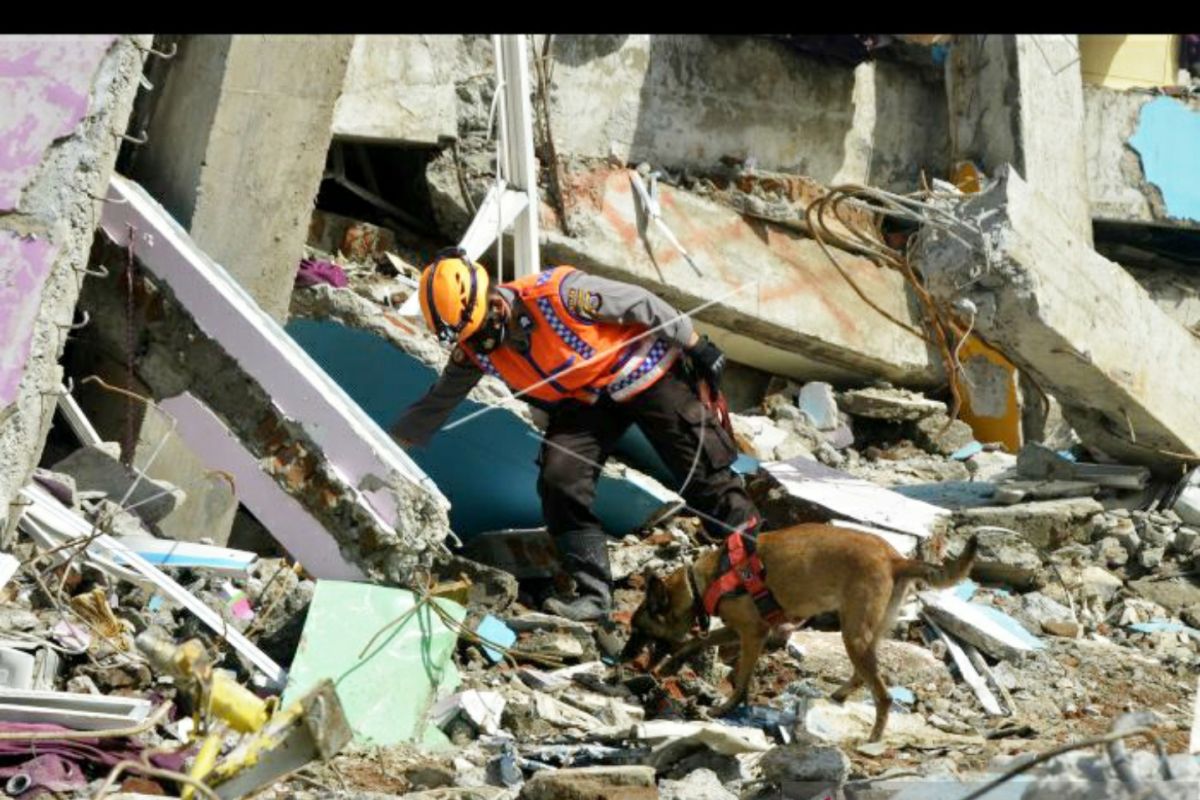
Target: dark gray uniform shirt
587	297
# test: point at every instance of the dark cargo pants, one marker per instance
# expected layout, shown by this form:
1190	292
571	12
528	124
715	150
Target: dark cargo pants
580	438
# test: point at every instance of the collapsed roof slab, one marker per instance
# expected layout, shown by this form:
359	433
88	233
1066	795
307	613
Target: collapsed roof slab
316	443
1078	323
781	304
487	467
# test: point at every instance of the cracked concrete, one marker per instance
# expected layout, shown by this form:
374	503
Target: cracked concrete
78	91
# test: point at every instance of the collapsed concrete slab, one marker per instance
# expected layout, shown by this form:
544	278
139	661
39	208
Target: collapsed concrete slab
62	100
1078	323
205	334
775	300
283	515
486	467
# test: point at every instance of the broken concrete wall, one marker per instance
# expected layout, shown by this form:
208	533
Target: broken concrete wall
1018	99
238	138
681	102
176	355
1078	323
64	101
684	102
781	304
400	88
1142	159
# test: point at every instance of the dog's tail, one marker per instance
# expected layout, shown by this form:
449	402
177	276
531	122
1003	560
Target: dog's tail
939	575
906	572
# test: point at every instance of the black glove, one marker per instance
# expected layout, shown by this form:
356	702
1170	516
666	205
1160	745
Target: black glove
708	360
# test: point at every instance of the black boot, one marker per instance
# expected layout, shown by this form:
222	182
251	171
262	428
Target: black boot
584	556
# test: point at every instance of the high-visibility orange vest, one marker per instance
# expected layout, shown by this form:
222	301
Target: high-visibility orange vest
569	357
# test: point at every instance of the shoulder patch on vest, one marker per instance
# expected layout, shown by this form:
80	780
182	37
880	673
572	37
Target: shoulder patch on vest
583	304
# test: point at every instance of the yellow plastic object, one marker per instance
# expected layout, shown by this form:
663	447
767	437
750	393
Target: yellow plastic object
206	759
1133	60
967	177
1006	427
244	711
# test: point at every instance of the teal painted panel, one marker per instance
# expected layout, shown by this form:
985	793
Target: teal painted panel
388	691
1168	140
486	468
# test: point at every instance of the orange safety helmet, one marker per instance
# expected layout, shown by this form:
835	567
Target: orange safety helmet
454	296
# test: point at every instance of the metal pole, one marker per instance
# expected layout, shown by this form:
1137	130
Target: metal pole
517	133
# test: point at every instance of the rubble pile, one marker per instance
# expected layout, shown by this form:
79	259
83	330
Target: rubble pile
294	608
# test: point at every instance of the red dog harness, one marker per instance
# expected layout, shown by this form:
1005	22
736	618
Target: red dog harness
739	571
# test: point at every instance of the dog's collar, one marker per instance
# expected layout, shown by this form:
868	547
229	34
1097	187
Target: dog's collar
698	611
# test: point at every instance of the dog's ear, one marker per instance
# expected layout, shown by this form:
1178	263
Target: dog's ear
658	597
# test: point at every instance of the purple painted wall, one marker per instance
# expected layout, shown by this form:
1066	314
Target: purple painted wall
44	93
24	264
45	84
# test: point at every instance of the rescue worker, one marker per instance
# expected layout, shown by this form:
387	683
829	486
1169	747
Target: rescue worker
571	342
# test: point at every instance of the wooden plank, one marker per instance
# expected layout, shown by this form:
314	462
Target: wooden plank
969	674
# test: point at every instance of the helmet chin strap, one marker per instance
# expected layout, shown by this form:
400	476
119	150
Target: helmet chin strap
494	330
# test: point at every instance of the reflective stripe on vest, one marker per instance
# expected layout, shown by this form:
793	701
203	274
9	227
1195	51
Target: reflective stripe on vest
570	358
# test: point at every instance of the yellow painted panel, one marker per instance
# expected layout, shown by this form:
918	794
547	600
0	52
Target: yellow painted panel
1005	428
1124	61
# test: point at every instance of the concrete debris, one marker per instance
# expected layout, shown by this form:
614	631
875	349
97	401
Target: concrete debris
860	500
1040	462
592	783
700	784
817	403
95	469
897	405
1046	524
1022	266
824	768
1004	556
983	626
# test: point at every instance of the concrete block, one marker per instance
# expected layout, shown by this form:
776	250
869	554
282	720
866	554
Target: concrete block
1086	331
339	642
792	313
1018	99
209	504
890	404
592	783
399	88
1046	524
96	470
238	138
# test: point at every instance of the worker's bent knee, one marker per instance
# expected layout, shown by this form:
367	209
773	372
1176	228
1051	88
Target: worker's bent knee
563	474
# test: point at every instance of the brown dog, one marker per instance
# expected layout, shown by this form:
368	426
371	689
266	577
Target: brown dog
810	569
